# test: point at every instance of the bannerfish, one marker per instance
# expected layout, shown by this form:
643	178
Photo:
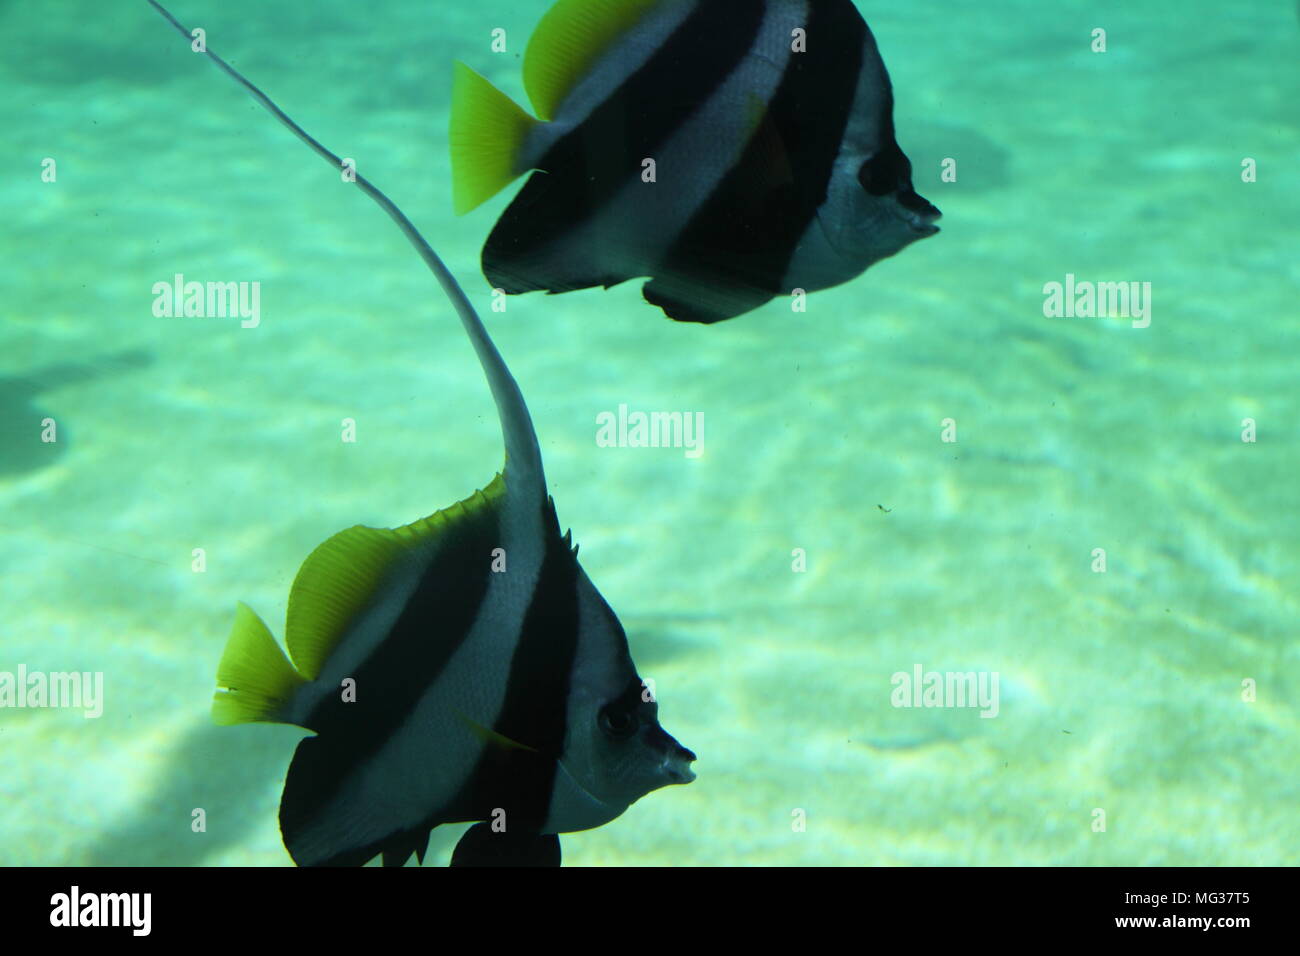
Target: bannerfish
731	150
462	668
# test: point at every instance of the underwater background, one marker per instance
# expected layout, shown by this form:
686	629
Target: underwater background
1120	691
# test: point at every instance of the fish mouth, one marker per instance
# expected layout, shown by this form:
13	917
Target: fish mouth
917	212
922	227
677	764
675	767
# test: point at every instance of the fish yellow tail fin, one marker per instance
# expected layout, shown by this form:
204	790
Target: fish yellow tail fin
257	679
488	130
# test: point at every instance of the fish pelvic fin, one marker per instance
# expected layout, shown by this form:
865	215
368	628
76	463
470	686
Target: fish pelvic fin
256	679
482	846
487	134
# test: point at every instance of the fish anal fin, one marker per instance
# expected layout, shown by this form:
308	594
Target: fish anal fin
256	678
567	42
532	247
320	827
341	576
399	849
308	840
481	846
685	300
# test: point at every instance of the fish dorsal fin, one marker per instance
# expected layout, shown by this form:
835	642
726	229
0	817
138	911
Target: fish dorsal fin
569	39
340	579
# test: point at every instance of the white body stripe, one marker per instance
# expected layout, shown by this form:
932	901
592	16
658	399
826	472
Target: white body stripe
602	667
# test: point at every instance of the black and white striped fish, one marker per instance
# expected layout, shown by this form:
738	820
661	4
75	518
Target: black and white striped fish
459	668
732	150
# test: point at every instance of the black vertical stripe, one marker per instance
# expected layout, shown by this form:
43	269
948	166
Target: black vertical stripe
585	169
535	710
736	250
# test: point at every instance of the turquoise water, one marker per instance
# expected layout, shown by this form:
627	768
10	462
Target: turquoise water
1120	691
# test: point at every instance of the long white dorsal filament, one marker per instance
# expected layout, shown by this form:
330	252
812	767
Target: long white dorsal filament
522	453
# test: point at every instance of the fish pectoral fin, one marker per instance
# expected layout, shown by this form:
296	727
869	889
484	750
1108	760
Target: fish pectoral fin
482	846
256	679
490	736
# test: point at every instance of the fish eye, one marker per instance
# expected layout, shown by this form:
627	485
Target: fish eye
883	172
618	722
